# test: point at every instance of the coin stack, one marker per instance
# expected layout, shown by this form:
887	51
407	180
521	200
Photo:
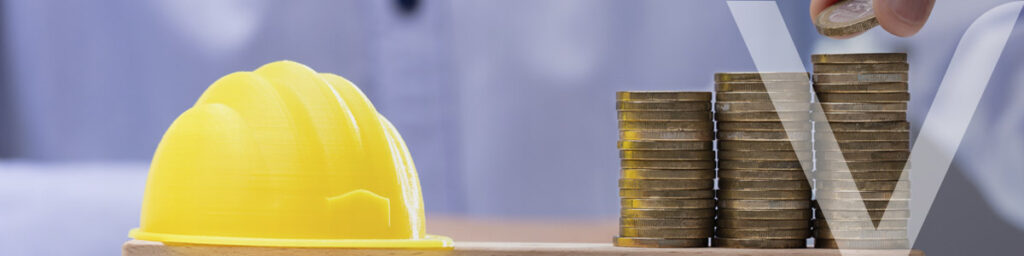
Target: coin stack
764	197
864	97
668	169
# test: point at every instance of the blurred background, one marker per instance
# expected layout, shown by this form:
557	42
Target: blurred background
507	106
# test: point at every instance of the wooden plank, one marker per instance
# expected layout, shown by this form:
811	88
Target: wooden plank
148	248
499	229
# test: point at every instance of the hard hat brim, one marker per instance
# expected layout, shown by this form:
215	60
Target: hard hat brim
427	242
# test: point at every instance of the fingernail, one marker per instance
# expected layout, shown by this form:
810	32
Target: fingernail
910	11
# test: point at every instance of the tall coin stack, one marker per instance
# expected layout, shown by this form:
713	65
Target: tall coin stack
764	197
864	97
668	169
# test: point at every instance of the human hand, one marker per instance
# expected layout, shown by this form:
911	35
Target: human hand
900	17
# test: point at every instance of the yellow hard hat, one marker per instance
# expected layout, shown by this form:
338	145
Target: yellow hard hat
284	156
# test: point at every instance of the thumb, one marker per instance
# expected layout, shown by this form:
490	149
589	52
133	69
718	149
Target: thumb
903	17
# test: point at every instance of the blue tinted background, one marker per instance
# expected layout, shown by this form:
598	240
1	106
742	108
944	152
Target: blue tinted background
507	106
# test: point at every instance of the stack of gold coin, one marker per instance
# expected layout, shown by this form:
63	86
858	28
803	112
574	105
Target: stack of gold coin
668	169
764	197
864	97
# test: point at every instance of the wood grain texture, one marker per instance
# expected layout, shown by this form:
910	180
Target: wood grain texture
148	248
476	229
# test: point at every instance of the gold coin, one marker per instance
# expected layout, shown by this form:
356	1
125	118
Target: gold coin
764	204
876	87
856	190
857	58
872	215
642	174
666	125
665	145
803	126
870	146
755	185
860	78
865	127
691	106
863	185
667	164
762	165
870	205
761	174
857	215
763	116
784	97
764	155
669	213
763	136
667	154
763	145
758	77
862	243
648	242
664	115
861	234
842	179
666	232
759	86
869	136
863	107
681	194
899	155
677	223
667	135
856	225
764	195
846	18
857	195
857	67
763	224
668	184
663	95
792	177
668	203
862	166
764	214
864	97
763	233
758	243
761	106
860	117
861	176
